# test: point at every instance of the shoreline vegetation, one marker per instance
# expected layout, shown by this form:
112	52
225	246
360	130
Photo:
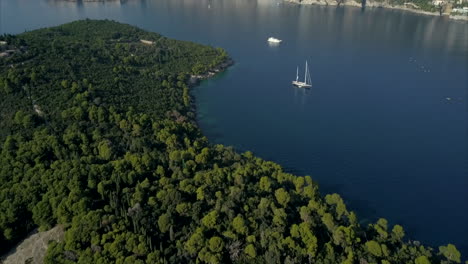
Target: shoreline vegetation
407	6
115	158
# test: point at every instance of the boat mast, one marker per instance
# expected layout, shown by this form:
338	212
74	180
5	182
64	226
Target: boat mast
310	79
305	74
297	74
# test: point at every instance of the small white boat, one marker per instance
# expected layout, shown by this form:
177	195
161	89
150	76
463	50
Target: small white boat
274	40
307	83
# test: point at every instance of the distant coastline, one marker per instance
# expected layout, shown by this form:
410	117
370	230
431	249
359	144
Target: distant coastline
411	7
375	4
92	0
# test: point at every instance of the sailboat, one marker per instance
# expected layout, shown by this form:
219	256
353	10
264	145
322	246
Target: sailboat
307	83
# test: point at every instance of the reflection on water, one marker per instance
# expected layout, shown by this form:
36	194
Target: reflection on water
376	125
301	94
274	44
347	25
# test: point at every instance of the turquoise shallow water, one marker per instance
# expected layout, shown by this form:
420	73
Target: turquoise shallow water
376	126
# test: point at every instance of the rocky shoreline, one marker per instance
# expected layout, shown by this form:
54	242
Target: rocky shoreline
195	79
458	17
374	4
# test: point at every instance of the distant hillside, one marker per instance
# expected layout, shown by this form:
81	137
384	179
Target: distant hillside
452	8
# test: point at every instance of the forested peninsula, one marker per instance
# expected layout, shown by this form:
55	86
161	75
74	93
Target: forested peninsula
98	135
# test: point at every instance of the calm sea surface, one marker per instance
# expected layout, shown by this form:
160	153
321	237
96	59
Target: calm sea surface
384	125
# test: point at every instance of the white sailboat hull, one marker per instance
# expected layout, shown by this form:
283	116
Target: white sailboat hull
301	84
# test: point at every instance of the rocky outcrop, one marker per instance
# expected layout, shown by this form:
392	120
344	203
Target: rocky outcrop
194	79
33	248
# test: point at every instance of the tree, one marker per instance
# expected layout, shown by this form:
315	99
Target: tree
374	248
279	217
282	197
216	244
195	242
381	228
105	150
422	260
164	222
398	233
265	184
210	219
340	208
198	69
309	240
183	209
339	2
250	251
238	224
450	252
441	7
42	215
327	220
19	116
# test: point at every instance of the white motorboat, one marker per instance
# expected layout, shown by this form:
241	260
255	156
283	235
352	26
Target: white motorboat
274	40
